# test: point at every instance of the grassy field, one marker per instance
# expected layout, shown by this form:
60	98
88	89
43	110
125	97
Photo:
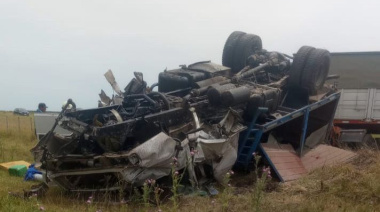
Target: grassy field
350	187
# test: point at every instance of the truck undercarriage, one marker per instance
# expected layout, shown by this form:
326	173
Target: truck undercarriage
191	124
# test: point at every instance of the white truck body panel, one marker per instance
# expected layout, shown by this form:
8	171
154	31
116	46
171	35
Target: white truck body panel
43	123
375	114
359	104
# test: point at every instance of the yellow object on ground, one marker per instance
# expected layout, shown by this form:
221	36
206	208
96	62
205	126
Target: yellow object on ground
375	136
7	165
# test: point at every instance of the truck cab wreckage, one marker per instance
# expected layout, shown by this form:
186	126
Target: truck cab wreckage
204	120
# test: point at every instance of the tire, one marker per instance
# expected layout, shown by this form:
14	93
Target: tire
229	48
246	46
316	70
298	65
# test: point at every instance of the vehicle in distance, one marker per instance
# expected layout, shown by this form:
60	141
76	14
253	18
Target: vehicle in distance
21	111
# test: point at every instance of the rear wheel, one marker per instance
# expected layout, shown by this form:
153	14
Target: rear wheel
309	69
239	46
246	46
298	65
316	70
229	48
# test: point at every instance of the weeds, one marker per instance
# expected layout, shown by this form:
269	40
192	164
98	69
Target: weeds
157	196
121	194
260	183
150	187
147	190
226	195
90	205
176	179
146	193
34	198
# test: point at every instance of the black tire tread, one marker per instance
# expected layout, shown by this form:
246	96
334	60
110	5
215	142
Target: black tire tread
317	66
298	65
229	48
247	45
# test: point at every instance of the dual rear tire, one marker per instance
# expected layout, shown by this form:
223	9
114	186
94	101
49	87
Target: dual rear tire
309	69
238	47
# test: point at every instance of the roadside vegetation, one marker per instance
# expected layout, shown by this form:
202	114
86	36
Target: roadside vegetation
349	187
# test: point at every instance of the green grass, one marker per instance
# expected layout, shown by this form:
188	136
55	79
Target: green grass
350	187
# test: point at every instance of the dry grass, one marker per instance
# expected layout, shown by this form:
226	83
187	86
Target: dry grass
16	137
16	124
350	187
341	188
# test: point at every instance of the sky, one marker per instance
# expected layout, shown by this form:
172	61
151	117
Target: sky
54	50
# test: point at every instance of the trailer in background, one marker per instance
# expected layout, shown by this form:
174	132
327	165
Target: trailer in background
357	118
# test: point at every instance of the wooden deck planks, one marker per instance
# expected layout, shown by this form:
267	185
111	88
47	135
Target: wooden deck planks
324	155
286	162
291	167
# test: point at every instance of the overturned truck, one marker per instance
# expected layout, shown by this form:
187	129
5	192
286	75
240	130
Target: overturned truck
196	123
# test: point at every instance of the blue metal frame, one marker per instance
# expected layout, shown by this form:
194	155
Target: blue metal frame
252	136
250	140
304	128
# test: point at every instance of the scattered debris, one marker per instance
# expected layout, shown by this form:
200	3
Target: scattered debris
33	174
15	168
7	165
